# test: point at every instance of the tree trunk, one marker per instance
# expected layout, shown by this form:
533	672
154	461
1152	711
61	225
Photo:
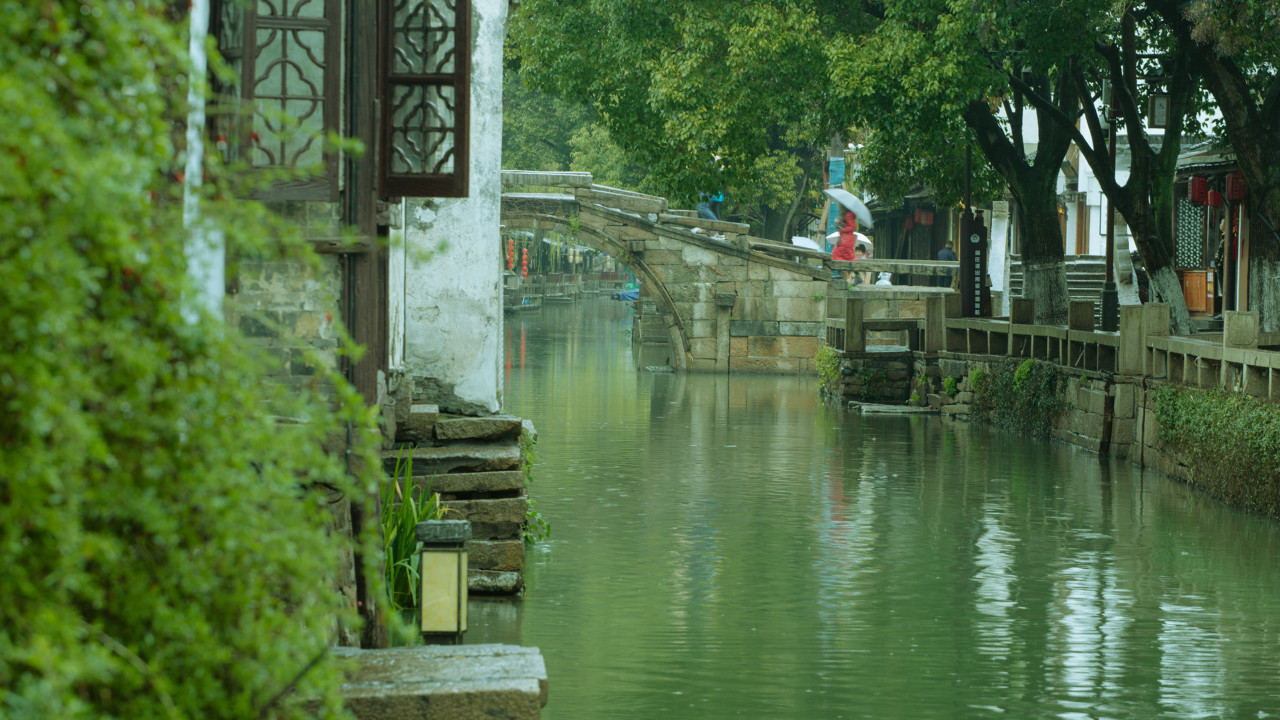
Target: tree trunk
1264	275
1044	272
1034	186
775	224
1167	288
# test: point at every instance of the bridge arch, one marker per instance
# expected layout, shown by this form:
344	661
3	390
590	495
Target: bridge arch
599	239
730	302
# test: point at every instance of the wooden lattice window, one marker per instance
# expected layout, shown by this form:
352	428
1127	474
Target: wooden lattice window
425	97
284	99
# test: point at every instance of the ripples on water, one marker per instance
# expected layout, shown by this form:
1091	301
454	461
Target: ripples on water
730	547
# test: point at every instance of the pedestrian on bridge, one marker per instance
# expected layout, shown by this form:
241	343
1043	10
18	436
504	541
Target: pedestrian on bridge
949	255
847	248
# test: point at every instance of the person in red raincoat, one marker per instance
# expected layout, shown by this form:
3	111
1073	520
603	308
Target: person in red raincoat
847	247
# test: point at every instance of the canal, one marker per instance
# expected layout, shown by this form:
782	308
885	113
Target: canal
728	547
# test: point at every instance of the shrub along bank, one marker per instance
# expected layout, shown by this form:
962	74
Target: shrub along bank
1025	396
1229	442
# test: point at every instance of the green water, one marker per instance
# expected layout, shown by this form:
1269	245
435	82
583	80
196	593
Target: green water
731	547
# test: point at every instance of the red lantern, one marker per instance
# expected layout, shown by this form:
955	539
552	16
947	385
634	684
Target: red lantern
911	224
1235	186
1198	190
926	217
1214	199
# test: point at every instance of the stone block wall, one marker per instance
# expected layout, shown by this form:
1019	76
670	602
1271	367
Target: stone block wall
476	464
875	377
740	313
287	310
1103	413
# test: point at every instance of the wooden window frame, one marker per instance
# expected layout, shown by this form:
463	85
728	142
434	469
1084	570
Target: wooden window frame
451	185
323	186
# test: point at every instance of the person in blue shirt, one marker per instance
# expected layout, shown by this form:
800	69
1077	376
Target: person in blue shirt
946	253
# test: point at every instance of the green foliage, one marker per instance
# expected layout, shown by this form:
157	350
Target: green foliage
537	128
975	377
870	378
1231	441
401	513
828	363
593	151
163	510
949	386
679	87
535	527
1023	373
1025	396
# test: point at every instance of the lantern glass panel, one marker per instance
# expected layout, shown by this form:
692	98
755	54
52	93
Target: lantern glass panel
444	591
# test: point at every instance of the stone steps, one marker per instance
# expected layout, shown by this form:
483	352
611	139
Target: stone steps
474	463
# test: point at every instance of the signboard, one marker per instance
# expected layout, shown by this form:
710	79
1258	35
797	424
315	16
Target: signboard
975	296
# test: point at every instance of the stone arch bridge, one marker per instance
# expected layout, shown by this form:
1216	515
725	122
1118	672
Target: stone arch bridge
730	302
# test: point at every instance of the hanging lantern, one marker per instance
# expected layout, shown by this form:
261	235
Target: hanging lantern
1235	186
1198	190
926	217
1214	199
911	224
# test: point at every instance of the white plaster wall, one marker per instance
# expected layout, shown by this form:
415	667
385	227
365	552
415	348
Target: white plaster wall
396	267
453	293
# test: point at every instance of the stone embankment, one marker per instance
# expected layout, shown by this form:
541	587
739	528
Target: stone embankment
477	466
1105	384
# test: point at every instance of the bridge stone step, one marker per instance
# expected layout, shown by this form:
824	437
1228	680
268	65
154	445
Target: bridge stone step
512	178
721	225
621	199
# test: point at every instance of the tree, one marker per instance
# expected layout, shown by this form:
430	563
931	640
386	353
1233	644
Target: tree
696	92
1235	44
1128	55
929	62
537	129
163	539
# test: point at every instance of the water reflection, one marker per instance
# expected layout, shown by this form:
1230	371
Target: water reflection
730	547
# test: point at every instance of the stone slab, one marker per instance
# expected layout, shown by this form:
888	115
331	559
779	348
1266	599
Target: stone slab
461	456
877	409
473	482
497	582
477	428
460	682
420	422
503	555
491	519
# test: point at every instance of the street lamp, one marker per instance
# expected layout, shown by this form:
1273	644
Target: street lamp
442	568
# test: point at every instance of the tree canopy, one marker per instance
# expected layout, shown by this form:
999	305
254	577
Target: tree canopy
706	96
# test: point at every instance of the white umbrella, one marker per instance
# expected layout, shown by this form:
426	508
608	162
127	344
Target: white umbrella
851	203
804	242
